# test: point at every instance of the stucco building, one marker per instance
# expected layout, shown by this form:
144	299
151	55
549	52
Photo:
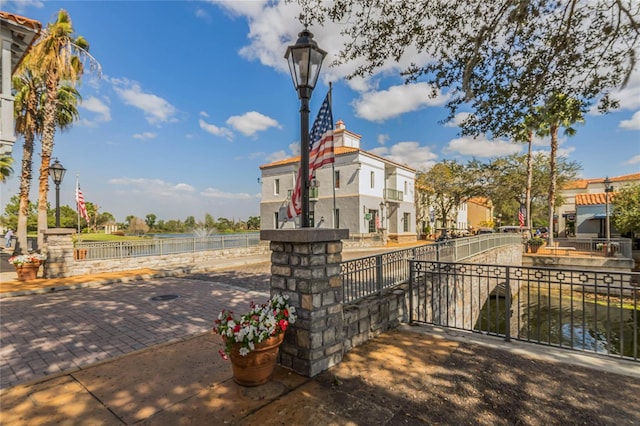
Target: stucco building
18	34
363	192
583	213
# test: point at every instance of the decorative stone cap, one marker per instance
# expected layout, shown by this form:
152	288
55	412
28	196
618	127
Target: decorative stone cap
59	231
304	235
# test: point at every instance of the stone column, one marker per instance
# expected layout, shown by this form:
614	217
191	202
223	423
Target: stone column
305	265
58	247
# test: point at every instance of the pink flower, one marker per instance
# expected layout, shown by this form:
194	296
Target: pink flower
223	355
283	324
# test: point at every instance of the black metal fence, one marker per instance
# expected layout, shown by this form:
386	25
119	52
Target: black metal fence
365	276
161	246
586	310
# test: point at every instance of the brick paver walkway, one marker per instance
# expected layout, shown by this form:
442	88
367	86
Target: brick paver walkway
49	333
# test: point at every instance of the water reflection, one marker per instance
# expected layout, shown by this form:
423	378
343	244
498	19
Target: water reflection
576	322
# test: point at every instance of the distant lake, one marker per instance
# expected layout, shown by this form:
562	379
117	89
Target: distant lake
203	234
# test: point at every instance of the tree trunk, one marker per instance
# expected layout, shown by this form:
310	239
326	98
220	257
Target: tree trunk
552	174
48	133
529	182
26	175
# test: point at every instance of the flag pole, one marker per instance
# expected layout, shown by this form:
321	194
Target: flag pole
77	207
333	163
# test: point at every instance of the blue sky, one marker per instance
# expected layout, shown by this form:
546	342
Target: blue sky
194	96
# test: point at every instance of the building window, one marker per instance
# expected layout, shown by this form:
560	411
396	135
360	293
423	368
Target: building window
406	187
336	178
276	187
405	218
372	222
373	179
337	219
276	221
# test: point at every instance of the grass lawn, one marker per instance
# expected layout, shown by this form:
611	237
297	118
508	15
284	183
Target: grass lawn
105	237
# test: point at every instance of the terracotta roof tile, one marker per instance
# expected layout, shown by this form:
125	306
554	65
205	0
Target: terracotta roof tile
339	150
593	199
584	183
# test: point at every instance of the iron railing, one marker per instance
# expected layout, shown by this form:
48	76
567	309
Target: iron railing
365	276
393	195
586	310
96	250
614	247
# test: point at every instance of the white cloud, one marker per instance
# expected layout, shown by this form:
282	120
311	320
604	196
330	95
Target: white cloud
631	124
251	122
145	135
382	139
215	130
154	188
294	147
277	156
397	100
458	119
629	97
216	193
273	26
633	160
481	147
156	109
408	153
95	105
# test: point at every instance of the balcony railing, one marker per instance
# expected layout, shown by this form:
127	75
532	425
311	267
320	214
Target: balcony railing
393	195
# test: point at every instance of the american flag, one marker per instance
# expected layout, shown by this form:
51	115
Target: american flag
321	153
82	208
521	217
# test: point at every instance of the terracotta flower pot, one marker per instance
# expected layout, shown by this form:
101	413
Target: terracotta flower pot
27	271
257	366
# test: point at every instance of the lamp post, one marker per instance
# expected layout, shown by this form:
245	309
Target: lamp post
57	174
304	59
607	189
499	219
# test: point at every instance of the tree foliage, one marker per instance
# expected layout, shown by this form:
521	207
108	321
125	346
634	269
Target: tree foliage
447	184
505	180
626	209
499	58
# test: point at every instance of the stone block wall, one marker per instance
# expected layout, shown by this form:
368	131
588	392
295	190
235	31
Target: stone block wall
367	318
305	265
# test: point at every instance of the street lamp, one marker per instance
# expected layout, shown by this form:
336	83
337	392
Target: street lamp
304	59
607	189
57	174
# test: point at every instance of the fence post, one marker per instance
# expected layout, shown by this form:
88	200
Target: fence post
507	314
411	268
379	273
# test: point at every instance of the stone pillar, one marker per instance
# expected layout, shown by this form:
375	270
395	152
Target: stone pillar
58	247
305	265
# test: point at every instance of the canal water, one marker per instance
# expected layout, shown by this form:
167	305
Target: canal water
575	322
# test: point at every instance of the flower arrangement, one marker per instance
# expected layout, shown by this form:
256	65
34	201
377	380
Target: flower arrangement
535	241
31	258
257	325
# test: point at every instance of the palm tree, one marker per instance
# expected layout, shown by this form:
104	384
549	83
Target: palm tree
57	56
29	90
28	109
560	110
5	168
524	133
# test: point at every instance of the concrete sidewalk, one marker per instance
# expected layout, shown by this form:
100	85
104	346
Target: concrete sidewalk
400	377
